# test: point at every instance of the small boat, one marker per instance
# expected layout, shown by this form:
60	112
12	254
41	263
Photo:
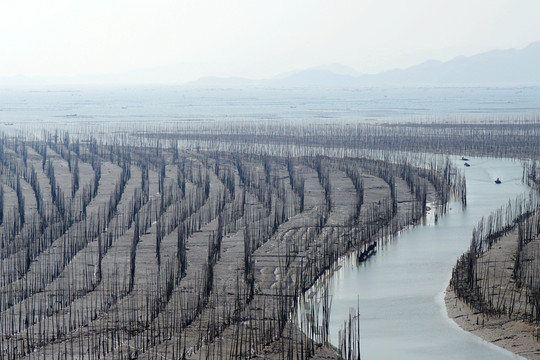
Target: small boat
498	181
467	164
464	158
368	252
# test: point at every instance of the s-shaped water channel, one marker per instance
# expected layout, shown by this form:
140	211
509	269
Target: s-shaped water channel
400	290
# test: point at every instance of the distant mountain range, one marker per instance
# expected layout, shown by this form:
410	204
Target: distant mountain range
493	67
498	67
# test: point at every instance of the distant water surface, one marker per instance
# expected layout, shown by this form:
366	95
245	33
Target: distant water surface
152	105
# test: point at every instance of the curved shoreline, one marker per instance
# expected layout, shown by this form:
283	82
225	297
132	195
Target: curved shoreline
516	336
411	260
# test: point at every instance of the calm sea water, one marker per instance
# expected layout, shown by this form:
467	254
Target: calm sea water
68	105
400	290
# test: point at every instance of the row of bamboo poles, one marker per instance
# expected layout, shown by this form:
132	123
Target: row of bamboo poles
139	248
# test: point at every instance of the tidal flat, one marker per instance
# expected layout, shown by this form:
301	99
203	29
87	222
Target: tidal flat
160	223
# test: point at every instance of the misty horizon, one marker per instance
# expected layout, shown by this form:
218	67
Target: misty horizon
254	41
501	67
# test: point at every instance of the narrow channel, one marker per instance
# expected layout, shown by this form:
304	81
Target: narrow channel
400	290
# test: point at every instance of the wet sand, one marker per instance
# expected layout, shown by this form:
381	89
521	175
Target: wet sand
516	336
510	332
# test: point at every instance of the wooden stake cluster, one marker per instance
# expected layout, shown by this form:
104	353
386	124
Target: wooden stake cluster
132	246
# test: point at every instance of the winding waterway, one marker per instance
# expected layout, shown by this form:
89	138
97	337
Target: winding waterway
400	290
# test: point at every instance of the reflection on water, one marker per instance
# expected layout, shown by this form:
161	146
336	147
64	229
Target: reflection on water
400	290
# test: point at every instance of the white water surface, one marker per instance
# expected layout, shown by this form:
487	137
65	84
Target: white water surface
173	105
400	290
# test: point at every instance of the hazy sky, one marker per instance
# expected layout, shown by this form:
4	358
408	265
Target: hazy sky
253	38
